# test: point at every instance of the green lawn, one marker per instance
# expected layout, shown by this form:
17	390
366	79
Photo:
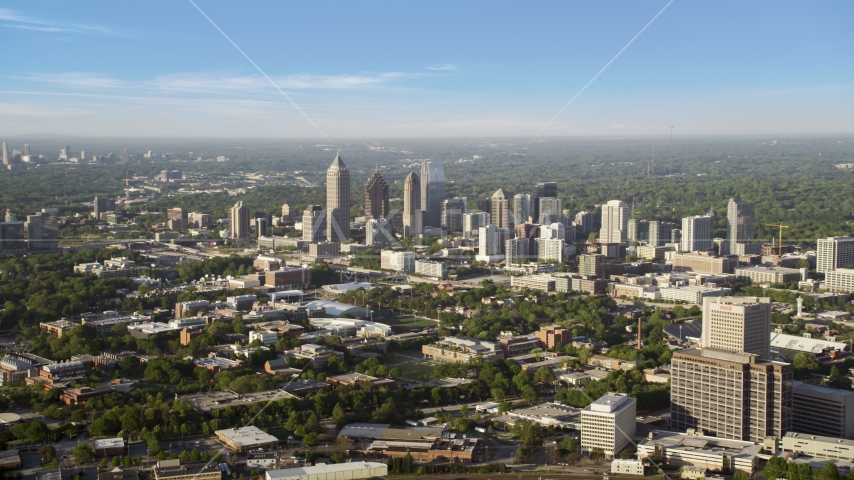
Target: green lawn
415	371
406	322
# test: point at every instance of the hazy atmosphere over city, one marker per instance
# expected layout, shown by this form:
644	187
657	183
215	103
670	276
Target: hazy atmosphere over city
287	240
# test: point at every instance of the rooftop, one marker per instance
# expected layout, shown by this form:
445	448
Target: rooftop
821	389
109	443
305	472
804	344
610	402
673	441
380	430
247	436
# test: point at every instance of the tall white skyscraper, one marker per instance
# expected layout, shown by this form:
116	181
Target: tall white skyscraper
5	154
615	222
492	240
697	233
833	253
338	201
554	230
240	222
473	221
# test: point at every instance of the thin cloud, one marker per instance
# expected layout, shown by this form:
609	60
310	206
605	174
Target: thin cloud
219	83
39	29
443	67
30	23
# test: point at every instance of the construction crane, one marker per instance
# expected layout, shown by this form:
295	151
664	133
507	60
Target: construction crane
781	227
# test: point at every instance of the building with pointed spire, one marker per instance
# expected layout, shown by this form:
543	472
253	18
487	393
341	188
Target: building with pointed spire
376	197
338	201
501	216
412	213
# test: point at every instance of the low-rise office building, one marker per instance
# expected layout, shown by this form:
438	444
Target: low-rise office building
109	447
548	415
431	269
514	345
173	470
693	294
697	450
545	283
699	263
244	439
627	467
765	274
461	349
554	336
839	280
819	447
337	471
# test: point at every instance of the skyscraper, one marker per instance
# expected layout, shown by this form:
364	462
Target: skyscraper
412	213
615	221
833	253
737	324
27	149
740	219
34	231
697	233
286	213
337	201
240	222
313	224
521	208
501	210
550	209
729	387
452	214
5	154
660	233
432	193
584	221
638	230
542	190
473	221
376	197
492	240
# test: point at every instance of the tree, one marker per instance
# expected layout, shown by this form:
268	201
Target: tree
464	409
310	440
104	464
804	361
82	454
116	462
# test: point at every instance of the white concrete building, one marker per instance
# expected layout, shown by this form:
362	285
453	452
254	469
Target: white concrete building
833	253
608	423
694	449
840	280
738	324
695	294
431	269
266	338
404	261
615	222
550	249
627	467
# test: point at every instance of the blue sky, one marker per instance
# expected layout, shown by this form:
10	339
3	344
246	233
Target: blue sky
427	69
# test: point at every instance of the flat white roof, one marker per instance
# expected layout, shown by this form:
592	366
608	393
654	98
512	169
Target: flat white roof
247	436
609	402
109	443
321	469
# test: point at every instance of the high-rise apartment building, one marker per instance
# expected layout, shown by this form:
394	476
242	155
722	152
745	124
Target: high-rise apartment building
432	193
27	149
833	253
553	230
338	201
730	395
740	219
738	324
517	250
615	222
609	424
638	230
412	211
5	154
34	231
376	197
591	265
103	204
492	240
521	208
261	226
314	224
660	233
550	249
240	222
697	233
473	221
485	205
501	217
452	214
584	221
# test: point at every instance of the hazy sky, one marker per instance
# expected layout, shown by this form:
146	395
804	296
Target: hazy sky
422	69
